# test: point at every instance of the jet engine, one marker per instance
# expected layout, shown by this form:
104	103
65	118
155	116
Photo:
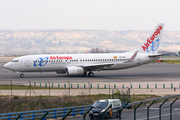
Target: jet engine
74	71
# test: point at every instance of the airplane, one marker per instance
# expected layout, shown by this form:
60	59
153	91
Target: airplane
86	64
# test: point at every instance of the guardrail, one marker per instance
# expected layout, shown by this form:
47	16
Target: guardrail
53	113
50	113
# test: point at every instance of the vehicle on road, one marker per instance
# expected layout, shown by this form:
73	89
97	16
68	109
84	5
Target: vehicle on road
100	106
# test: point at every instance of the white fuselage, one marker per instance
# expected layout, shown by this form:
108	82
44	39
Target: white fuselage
59	62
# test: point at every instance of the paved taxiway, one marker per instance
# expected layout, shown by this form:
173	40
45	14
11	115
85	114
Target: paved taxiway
149	72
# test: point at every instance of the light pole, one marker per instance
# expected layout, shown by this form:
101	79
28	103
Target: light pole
69	89
89	90
49	88
11	88
30	88
109	91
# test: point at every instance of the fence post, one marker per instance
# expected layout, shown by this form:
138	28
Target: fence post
73	112
121	111
18	117
148	109
84	86
160	109
21	116
33	116
163	85
135	110
106	110
54	114
114	86
82	110
44	116
171	85
87	113
171	108
67	114
9	117
147	86
64	112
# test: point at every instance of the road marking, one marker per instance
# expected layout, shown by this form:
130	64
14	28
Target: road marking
95	80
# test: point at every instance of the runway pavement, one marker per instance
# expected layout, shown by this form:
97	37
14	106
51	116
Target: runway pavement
149	72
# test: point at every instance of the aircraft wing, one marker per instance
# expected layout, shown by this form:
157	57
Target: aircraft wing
109	64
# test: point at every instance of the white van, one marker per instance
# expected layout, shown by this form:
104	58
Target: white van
101	105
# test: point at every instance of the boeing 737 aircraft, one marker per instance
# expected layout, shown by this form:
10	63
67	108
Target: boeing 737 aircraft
83	64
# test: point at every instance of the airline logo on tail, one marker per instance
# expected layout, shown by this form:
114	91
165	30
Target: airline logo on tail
155	44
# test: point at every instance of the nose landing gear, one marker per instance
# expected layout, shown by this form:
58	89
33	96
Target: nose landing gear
21	75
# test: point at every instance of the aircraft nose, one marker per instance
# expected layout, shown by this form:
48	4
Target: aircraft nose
7	65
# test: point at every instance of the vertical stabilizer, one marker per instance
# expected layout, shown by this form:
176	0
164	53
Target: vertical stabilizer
151	44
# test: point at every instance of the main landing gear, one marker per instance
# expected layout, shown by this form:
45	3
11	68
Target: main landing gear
90	74
21	75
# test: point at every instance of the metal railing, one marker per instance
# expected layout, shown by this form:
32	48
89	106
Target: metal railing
47	113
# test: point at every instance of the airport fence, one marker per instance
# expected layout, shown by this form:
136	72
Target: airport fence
49	89
136	105
83	110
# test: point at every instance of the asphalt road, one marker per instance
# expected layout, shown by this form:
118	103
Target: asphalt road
141	113
149	72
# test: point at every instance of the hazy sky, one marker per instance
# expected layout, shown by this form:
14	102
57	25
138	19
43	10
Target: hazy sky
90	14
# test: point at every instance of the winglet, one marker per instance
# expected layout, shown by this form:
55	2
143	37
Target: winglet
133	57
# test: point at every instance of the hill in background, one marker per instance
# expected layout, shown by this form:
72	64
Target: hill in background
79	41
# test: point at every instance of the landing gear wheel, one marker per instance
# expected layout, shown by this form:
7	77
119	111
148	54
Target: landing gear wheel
21	75
85	74
91	74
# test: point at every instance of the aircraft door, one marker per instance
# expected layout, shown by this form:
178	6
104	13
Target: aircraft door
27	62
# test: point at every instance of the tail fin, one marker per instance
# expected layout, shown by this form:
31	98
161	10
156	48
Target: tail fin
151	45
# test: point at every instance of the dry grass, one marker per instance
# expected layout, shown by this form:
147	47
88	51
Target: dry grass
17	104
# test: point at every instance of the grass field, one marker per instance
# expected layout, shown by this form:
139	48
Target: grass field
17	104
23	87
168	61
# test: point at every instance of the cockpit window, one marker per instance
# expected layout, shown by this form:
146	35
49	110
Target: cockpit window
15	61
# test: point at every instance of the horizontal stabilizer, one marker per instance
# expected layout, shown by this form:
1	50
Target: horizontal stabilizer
156	55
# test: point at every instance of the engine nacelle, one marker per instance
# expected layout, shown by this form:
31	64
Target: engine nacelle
74	71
